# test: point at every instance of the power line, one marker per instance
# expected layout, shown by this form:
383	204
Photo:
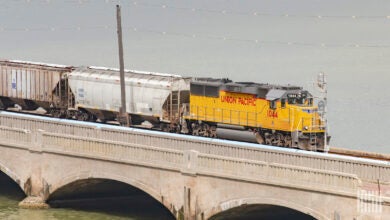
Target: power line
256	13
253	13
254	41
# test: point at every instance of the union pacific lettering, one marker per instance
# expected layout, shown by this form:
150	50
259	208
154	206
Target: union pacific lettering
239	100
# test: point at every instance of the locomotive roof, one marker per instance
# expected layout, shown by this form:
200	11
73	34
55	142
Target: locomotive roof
228	82
261	90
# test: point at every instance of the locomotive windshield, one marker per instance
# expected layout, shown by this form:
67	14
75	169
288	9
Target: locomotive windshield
302	98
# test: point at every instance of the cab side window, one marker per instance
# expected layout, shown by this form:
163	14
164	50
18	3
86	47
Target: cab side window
272	104
283	103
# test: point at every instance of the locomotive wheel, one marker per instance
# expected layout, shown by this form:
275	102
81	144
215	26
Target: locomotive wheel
195	129
268	138
204	130
213	131
287	141
279	140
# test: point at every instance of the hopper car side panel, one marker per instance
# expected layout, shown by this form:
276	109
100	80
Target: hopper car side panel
31	85
97	92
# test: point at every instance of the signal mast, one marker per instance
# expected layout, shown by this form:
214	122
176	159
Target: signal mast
322	105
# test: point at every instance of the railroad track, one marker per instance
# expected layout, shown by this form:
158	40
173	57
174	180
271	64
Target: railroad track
361	154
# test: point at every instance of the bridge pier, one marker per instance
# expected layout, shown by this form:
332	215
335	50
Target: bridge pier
33	202
35	187
37	191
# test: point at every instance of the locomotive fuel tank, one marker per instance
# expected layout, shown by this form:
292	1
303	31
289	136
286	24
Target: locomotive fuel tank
149	96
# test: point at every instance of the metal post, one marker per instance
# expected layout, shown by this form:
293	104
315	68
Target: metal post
123	116
322	85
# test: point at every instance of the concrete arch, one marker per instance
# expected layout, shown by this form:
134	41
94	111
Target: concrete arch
230	204
166	202
13	176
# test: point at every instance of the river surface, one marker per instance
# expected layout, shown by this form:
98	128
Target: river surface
280	41
97	209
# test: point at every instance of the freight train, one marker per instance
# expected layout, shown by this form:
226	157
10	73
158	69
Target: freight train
284	116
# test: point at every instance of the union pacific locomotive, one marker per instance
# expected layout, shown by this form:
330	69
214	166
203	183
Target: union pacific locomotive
277	115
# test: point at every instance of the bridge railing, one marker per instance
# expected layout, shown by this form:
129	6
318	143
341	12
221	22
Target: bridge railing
363	169
279	174
21	137
111	150
57	126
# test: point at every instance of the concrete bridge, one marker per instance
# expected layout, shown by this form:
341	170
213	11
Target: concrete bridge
194	178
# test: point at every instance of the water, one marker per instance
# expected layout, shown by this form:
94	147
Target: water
354	52
129	208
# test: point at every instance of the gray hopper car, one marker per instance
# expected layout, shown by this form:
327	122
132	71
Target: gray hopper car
33	85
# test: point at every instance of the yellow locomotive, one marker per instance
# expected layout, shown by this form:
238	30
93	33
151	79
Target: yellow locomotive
278	115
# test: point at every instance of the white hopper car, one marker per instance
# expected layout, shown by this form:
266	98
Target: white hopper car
154	97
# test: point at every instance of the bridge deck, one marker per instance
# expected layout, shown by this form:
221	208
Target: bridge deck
366	169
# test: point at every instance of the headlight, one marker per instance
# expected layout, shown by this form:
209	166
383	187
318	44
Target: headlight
305	128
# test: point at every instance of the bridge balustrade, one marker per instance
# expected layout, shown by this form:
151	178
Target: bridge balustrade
364	169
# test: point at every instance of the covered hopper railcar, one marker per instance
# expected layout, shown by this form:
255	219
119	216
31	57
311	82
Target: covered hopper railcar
32	85
152	97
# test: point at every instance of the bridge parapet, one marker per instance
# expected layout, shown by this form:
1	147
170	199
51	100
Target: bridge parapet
364	169
164	163
15	135
186	161
112	150
279	174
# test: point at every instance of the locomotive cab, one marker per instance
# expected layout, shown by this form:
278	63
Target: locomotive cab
307	124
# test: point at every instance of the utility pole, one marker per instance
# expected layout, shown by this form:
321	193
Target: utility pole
123	116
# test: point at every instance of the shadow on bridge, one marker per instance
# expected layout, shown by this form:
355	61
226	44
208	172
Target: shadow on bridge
110	197
10	191
261	211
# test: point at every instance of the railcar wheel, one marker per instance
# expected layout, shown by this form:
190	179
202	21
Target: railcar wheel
279	140
83	116
70	114
57	113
